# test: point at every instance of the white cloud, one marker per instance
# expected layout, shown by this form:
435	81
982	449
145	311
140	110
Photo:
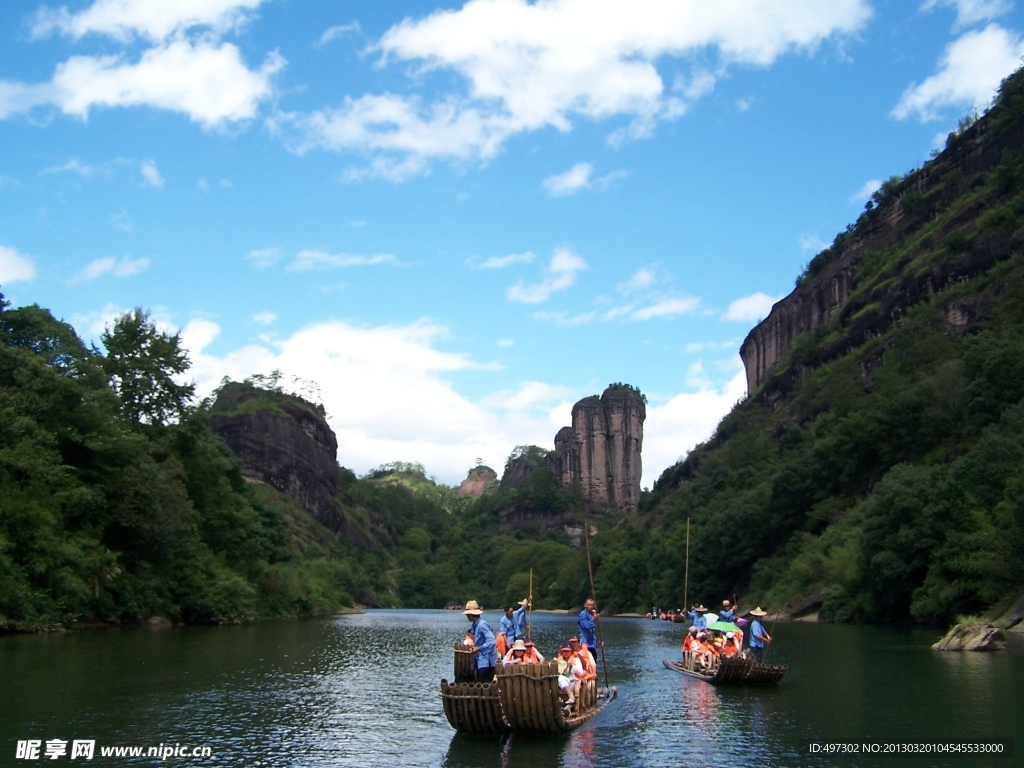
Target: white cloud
812	242
333	33
971	11
155	21
675	427
578	178
506	343
72	166
15	266
970	70
126	266
561	274
641	279
407	410
307	260
864	194
262	258
531	65
264	318
92	324
665	308
500	262
750	308
151	174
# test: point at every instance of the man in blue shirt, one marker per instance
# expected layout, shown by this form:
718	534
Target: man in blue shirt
699	619
759	638
728	612
484	648
513	623
586	624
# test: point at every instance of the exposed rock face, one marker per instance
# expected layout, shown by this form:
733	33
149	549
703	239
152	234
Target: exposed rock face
601	450
972	637
285	443
863	306
476	481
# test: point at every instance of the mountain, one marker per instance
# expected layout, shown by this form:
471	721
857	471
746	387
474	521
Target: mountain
875	471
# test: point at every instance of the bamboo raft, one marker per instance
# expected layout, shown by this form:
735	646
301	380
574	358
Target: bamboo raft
522	698
730	670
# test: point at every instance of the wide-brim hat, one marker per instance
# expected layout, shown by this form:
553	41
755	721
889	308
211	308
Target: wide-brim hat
524	601
758	612
473	608
726	602
519	645
701	609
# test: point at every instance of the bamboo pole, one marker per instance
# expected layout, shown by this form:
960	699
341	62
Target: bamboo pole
529	609
686	577
593	595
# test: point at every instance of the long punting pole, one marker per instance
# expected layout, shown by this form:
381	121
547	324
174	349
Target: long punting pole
771	635
593	595
686	577
529	614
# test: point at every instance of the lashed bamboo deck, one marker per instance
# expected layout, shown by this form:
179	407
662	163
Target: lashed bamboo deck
522	698
734	670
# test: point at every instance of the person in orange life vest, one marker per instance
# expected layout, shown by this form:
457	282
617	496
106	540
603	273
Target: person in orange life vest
533	656
580	650
517	653
690	640
730	648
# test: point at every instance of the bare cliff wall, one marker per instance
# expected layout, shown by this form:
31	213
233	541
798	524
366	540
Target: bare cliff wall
601	450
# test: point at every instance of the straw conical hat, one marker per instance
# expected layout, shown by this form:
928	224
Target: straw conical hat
758	612
473	608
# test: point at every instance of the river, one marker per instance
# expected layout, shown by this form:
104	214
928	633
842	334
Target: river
362	690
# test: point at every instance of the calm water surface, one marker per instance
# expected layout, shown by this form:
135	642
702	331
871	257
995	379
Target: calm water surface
363	691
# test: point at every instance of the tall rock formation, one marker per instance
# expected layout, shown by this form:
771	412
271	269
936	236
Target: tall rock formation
601	450
286	443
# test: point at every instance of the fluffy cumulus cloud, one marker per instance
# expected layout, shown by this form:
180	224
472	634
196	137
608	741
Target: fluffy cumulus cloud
969	72
677	425
126	266
864	194
186	69
526	65
151	174
387	395
560	274
750	308
15	266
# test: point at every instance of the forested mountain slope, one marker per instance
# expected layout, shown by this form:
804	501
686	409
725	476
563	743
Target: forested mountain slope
877	467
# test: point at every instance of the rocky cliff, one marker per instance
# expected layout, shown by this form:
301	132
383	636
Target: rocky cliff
476	482
843	297
285	442
601	450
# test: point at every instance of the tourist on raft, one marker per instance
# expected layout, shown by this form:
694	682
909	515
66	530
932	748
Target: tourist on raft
533	656
586	624
759	637
512	626
517	653
586	658
485	655
570	672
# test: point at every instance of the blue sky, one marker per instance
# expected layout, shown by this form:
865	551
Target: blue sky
457	219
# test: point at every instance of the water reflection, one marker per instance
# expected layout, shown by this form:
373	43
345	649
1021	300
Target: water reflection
363	691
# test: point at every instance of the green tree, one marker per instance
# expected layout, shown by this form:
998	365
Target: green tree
142	363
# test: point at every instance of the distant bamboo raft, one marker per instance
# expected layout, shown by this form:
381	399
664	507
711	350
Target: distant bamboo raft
730	670
523	698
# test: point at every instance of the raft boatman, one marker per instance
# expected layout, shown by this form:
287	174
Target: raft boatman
700	621
485	650
728	612
513	623
586	624
759	637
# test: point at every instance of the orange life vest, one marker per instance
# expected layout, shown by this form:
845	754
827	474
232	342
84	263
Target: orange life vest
589	667
502	642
